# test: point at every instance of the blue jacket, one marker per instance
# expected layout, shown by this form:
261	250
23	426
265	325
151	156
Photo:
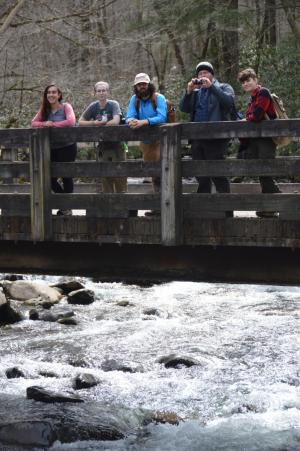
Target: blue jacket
220	102
146	110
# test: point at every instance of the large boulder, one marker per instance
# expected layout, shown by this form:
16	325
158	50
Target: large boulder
7	314
23	290
82	296
27	433
67	286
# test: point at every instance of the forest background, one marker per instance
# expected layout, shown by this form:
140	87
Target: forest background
76	43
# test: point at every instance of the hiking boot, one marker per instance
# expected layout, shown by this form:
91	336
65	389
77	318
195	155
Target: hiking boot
64	213
152	213
267	214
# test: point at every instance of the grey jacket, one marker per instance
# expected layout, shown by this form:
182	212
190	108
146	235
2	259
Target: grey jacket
220	102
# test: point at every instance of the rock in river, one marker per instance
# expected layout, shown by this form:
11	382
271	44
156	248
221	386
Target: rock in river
84	380
68	286
22	290
7	314
175	361
82	296
43	395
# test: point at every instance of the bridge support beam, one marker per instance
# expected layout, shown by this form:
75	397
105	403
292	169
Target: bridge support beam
41	218
171	186
154	262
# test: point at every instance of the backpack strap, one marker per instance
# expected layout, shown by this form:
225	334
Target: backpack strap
137	102
109	108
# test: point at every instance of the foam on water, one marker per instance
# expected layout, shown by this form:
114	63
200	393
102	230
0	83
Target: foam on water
244	394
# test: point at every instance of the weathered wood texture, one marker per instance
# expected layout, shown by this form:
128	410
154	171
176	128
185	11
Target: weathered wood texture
249	232
184	217
146	188
41	220
171	191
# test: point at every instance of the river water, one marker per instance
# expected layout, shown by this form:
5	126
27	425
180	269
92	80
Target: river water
243	395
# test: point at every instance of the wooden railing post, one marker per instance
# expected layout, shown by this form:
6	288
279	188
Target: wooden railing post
41	220
171	186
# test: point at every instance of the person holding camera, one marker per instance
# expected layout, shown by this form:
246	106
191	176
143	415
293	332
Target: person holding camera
208	100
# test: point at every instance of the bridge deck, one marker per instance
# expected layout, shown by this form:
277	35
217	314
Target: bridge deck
186	218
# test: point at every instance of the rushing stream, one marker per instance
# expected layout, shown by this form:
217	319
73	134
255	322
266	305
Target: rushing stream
244	393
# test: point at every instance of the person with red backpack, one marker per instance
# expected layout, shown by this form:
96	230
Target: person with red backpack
146	107
260	108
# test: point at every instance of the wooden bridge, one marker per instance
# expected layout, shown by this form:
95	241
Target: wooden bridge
192	238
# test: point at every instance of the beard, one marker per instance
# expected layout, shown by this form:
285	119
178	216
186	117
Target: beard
143	93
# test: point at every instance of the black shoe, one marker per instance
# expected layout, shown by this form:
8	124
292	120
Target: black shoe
228	214
151	213
267	214
64	213
132	213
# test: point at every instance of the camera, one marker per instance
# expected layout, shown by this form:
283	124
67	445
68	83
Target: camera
198	82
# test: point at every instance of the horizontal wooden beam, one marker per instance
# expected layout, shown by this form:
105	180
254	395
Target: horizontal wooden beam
240	129
282	166
111	133
209	130
14	169
241	202
108	169
15	137
15	201
109	202
285	166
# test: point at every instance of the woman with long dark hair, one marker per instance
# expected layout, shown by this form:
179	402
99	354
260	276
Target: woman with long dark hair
56	113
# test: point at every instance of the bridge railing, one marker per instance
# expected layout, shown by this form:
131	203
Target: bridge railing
177	209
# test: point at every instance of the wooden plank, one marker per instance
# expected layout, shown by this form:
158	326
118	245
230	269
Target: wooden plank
15	203
252	232
285	166
146	188
15	137
41	217
113	202
240	129
14	169
129	168
111	133
194	204
171	209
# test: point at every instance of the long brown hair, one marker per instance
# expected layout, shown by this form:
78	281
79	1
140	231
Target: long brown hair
45	106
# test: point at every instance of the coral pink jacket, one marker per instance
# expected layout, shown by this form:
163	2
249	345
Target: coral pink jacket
68	122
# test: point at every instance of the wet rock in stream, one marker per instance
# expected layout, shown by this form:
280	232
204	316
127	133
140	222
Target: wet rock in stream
83	297
49	396
36	424
27	433
67	286
8	315
113	365
84	380
23	290
13	373
175	361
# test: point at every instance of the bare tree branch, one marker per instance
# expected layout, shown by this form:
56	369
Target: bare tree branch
11	16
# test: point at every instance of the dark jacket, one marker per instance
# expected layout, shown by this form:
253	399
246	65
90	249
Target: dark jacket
220	102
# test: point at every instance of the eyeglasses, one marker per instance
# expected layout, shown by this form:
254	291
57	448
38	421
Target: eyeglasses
101	90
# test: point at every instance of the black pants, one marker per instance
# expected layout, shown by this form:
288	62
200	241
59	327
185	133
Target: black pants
262	148
63	154
212	149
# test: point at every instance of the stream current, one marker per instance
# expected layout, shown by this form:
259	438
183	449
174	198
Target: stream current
243	395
